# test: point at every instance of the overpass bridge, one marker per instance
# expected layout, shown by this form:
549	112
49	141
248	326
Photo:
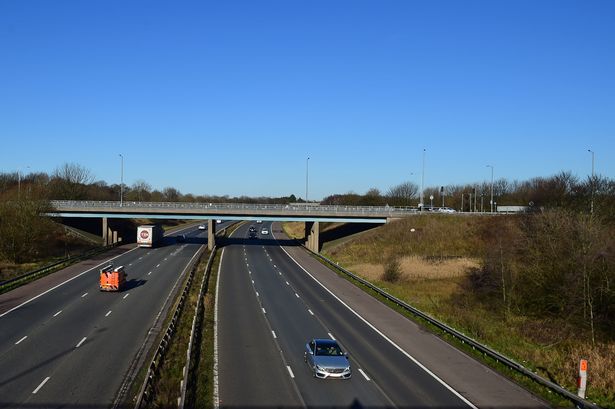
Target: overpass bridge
310	214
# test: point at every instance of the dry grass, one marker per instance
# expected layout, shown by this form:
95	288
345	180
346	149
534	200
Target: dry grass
414	267
434	261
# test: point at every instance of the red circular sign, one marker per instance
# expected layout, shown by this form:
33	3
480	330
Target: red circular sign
144	234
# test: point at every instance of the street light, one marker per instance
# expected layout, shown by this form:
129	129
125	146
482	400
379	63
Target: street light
122	182
591	209
491	202
307	170
423	180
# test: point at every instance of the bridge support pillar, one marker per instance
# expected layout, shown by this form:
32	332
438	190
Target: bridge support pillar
211	234
105	231
312	235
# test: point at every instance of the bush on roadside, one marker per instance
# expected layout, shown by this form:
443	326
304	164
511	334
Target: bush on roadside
392	270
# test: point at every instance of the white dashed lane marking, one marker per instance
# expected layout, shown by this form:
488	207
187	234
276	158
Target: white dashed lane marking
38	388
310	311
273	333
364	374
18	342
108	313
290	371
84	295
57	313
124	297
264	312
81	342
331	336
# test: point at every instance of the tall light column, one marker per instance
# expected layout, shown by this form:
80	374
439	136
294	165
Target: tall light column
307	173
491	202
591	208
423	180
122	182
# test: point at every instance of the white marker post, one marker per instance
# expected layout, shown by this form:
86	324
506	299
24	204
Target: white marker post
582	379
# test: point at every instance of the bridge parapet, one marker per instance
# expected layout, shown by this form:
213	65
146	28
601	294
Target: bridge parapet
220	210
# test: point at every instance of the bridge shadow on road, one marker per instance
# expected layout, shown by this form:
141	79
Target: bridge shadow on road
258	241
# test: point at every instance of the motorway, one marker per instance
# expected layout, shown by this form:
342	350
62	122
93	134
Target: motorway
75	346
268	307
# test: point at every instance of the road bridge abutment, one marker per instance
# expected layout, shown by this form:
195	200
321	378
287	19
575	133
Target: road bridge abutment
312	236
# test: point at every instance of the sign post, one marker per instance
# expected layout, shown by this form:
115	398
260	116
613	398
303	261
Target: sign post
582	379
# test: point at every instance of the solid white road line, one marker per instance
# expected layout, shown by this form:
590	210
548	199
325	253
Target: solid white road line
124	297
273	333
310	311
364	374
57	313
18	342
38	388
389	340
64	282
108	313
331	336
81	342
290	371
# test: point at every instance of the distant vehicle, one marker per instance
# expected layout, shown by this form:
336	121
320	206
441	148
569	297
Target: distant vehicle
326	359
218	221
149	235
259	221
202	227
112	278
446	210
264	231
181	238
252	228
252	234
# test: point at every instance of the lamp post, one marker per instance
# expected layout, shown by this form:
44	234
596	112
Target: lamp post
122	181
491	201
307	172
423	180
591	208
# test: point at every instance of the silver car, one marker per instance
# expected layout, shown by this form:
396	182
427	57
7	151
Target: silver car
326	359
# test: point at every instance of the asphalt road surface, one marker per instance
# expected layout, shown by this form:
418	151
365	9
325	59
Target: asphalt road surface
75	346
268	307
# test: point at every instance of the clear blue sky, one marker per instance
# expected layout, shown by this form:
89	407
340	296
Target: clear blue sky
230	97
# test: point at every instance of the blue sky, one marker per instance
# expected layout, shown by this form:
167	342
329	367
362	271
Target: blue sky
230	97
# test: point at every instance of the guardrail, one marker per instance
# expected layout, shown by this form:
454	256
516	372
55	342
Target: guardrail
146	393
197	321
579	402
26	277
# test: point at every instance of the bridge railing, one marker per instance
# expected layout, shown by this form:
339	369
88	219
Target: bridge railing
221	207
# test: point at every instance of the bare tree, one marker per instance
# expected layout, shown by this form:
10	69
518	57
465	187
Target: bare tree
403	194
70	181
140	191
171	194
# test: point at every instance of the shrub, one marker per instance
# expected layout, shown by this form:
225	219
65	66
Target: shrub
392	270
